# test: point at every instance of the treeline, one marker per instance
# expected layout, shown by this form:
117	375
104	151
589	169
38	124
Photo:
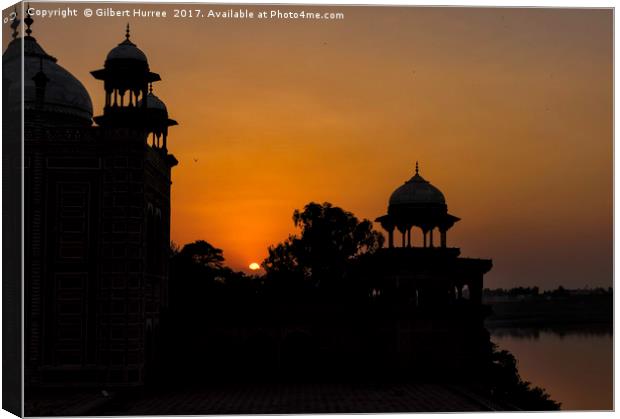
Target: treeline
324	260
560	291
560	309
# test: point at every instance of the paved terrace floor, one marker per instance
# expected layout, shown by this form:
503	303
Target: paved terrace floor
264	399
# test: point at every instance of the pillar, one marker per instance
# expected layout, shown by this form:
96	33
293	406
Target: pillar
443	238
475	289
409	237
424	235
431	237
391	237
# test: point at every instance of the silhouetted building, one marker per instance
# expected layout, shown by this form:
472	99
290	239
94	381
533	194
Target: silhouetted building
440	293
97	216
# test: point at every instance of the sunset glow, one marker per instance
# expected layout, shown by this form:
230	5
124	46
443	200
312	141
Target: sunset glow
509	112
254	266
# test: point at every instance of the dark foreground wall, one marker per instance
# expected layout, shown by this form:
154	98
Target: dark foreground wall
11	241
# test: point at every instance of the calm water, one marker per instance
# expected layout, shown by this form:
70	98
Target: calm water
576	368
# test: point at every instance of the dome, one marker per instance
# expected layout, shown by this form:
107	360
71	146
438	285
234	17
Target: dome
417	191
126	50
64	94
153	102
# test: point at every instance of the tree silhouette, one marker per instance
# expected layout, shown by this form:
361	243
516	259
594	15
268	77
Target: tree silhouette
507	385
281	259
329	241
200	286
198	276
204	254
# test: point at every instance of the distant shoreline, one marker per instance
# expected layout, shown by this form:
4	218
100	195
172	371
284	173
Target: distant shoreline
577	313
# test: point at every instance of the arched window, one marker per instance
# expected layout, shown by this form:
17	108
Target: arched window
466	293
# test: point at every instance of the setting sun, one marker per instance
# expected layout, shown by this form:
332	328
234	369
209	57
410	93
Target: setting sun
254	266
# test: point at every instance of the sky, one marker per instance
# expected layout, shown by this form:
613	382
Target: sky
508	111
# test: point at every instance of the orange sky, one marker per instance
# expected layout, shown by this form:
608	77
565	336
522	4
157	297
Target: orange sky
509	112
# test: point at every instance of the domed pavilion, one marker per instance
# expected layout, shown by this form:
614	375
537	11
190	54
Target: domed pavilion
127	81
439	290
417	203
156	119
426	275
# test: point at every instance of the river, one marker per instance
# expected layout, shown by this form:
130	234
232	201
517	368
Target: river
574	366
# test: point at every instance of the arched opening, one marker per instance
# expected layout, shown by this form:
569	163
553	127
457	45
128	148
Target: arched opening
466	295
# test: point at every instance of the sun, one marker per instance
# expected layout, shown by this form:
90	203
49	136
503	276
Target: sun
254	266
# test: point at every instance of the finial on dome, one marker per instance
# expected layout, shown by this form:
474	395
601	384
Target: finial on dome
127	32
417	168
15	24
28	21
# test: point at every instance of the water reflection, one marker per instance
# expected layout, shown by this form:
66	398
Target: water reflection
574	365
561	331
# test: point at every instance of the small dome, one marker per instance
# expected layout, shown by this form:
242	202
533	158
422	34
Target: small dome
64	94
417	191
126	50
153	102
